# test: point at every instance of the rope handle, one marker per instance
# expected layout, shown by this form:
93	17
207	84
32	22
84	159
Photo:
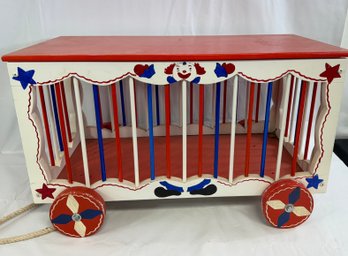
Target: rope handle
31	235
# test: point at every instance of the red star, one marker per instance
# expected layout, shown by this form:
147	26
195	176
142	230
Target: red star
45	191
331	73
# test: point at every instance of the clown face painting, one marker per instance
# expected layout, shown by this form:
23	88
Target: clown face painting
184	71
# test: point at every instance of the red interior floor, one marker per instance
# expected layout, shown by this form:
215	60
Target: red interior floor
111	157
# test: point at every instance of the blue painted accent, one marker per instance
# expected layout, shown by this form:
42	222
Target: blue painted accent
62	219
217	130
171	187
124	121
313	182
150	118
56	117
196	80
220	71
157	106
24	77
283	218
294	195
90	214
99	132
149	72
200	185
171	79
265	130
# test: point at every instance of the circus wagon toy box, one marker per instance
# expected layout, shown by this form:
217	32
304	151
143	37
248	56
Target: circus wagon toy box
167	117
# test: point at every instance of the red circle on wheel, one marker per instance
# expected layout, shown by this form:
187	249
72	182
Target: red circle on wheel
287	203
78	212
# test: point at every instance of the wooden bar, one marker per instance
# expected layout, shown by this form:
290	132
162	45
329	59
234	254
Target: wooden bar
158	120
63	131
56	117
258	96
124	121
224	103
100	109
265	129
294	111
284	115
117	133
184	131
310	120
46	126
298	126
200	130
167	107
99	131
217	131
249	129
81	132
134	133
152	144
191	103
289	106
66	114
233	127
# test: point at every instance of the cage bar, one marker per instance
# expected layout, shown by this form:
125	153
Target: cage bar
233	127
66	115
167	109
184	131
217	130
249	129
150	118
56	117
310	119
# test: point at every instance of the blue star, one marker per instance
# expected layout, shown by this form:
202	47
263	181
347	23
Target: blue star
25	77
314	181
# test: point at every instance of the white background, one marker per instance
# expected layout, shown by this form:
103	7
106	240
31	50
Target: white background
223	226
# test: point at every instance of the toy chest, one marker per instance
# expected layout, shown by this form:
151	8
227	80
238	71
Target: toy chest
131	118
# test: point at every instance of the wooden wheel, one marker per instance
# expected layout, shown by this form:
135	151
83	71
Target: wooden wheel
287	203
78	212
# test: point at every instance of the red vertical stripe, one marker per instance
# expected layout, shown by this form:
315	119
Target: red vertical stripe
47	128
200	129
292	84
63	131
311	114
66	115
167	106
224	103
258	96
250	123
117	133
191	103
298	126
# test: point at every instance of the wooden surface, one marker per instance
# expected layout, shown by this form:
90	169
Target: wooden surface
175	48
176	157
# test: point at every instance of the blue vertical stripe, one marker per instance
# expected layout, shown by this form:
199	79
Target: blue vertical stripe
124	121
150	117
157	106
99	131
217	130
265	130
55	112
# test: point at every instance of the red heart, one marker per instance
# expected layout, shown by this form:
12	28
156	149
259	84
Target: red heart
140	69
229	67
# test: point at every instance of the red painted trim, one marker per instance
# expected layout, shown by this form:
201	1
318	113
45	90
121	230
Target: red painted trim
258	102
117	132
200	130
298	126
66	115
165	48
47	128
310	120
292	84
63	130
123	187
167	106
224	103
241	181
191	103
249	129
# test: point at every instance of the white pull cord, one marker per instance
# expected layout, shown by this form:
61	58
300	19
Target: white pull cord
27	236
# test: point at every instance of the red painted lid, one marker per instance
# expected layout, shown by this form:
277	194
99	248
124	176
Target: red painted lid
175	48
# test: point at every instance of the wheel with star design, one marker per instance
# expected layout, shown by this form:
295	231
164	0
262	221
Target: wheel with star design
286	203
78	212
